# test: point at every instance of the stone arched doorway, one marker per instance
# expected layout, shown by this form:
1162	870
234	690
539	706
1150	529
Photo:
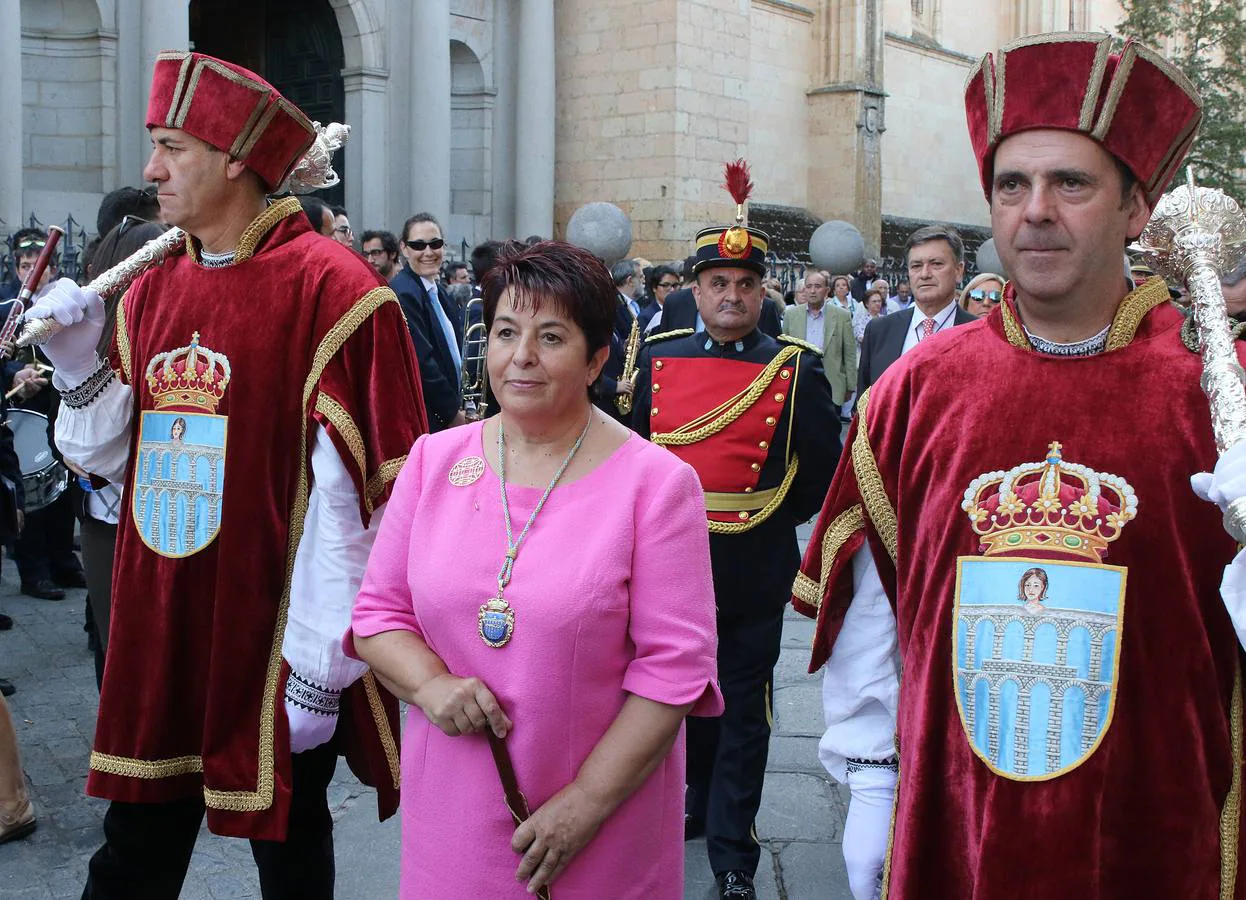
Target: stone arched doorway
295	46
471	127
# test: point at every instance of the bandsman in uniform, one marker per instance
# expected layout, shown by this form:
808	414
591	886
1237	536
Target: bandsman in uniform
754	416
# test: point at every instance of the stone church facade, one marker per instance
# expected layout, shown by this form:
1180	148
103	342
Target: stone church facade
502	117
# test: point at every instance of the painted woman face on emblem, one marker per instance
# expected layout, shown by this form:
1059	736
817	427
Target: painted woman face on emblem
1032	590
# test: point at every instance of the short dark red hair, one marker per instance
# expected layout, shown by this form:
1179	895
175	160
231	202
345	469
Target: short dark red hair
577	283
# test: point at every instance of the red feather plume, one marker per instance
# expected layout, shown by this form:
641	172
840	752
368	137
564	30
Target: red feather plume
738	183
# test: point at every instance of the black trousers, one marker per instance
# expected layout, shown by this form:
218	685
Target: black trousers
45	548
147	846
727	755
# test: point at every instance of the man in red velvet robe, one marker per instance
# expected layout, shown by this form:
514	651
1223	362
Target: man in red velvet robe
1016	590
257	443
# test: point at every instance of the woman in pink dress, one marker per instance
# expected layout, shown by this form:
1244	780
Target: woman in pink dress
544	574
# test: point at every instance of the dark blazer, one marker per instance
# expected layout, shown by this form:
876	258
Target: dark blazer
439	377
647	312
680	311
884	342
608	382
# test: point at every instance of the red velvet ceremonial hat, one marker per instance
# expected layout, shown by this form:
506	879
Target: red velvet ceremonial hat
1135	103
230	108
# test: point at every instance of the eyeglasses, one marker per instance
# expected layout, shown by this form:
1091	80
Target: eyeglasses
128	222
342	229
420	246
668	285
31	244
993	296
376	251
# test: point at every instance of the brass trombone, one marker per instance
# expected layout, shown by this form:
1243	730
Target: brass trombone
474	377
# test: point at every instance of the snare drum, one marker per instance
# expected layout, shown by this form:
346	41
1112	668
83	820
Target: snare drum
44	478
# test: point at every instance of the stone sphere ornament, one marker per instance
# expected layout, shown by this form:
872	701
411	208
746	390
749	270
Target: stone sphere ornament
837	246
988	259
602	229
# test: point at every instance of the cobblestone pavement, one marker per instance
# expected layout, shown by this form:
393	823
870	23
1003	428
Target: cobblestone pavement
45	654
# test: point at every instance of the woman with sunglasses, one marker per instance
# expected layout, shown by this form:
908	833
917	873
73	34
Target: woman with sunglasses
982	294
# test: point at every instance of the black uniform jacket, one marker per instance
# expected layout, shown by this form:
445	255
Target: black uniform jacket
754	570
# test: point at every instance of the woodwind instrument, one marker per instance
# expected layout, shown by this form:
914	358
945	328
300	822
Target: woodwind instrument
115	280
624	401
19	306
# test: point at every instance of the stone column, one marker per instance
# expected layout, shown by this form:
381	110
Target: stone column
502	148
848	184
11	132
367	160
534	113
430	110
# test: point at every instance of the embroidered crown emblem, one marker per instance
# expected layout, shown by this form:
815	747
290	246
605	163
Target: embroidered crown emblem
1051	506
191	378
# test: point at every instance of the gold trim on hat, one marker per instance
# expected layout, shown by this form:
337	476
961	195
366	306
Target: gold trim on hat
1094	85
178	88
1120	79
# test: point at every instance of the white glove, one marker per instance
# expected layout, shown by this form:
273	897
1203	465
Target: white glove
311	711
72	349
867	830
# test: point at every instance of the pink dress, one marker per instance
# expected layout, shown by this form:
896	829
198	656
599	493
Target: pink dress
612	595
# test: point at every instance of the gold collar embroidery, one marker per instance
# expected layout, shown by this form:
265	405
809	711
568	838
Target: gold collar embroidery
1129	315
254	233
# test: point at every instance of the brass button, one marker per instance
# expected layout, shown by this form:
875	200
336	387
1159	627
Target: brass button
785	374
743	516
770	420
748	490
657	364
656	387
778	398
756	467
765	445
654	411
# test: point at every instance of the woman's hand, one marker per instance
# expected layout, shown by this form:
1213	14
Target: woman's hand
554	834
461	706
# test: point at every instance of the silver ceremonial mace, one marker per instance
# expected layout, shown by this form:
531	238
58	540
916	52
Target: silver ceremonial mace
1195	233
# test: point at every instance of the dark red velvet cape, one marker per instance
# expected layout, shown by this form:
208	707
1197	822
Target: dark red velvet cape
192	694
1142	816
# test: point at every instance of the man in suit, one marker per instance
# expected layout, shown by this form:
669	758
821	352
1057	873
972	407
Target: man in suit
935	257
434	321
828	328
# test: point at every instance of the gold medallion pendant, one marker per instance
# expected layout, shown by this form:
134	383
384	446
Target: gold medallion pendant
467	471
496	622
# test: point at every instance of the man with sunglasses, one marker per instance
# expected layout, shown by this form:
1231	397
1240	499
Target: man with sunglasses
258	444
433	319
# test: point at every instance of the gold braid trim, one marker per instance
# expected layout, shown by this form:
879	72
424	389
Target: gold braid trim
384	475
766	511
1012	329
719	418
254	232
1129	315
345	425
382	727
262	224
870	483
123	339
846	524
147	769
1133	310
262	797
1231	815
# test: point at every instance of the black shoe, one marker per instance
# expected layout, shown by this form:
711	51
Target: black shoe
6	687
71	579
43	590
736	885
6	622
